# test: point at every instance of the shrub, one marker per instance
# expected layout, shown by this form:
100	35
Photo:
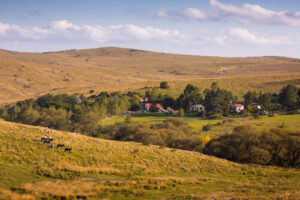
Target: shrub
135	107
207	127
164	85
201	114
214	116
128	119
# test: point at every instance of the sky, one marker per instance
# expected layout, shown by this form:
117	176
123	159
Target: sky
199	27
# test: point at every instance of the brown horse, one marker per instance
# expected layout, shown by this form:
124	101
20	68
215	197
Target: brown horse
68	149
60	145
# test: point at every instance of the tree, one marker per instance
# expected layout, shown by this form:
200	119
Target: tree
215	86
250	98
181	112
169	102
29	115
265	100
164	85
152	94
45	100
190	97
292	146
288	96
55	118
217	100
135	107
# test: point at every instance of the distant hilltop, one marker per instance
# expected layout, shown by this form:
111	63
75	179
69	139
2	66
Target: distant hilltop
28	75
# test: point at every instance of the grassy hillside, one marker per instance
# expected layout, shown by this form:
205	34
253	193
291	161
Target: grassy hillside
97	168
27	75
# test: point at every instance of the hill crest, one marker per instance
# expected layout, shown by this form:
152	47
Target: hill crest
28	75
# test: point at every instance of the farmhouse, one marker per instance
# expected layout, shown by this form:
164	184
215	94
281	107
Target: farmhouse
197	107
237	108
148	106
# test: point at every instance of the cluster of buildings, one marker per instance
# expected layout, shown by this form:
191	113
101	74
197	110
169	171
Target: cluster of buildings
146	105
234	108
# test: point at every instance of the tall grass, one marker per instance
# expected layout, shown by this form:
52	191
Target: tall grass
97	168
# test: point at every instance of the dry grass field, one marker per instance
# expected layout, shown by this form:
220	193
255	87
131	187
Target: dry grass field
28	75
103	169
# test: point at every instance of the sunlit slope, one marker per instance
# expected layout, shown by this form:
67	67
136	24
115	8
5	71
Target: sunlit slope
25	75
97	168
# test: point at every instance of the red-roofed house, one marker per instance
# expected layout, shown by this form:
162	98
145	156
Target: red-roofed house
237	108
148	106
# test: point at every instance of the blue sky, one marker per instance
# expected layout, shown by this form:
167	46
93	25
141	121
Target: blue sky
202	27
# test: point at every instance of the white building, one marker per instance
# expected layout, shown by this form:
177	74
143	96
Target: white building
197	107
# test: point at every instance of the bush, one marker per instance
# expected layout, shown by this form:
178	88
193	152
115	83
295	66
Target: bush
207	127
214	116
201	114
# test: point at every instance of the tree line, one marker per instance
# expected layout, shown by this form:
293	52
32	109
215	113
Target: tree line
83	114
217	101
68	112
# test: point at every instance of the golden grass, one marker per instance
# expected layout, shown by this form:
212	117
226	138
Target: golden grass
28	75
104	169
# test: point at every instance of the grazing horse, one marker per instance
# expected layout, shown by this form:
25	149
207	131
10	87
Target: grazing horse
48	140
68	149
60	145
43	139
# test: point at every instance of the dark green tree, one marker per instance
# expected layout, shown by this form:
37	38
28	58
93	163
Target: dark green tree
288	97
169	102
190	97
250	98
217	100
164	85
45	100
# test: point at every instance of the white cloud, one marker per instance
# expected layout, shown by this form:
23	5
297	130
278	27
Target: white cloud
245	36
193	13
64	25
254	14
220	39
65	31
12	32
186	14
246	14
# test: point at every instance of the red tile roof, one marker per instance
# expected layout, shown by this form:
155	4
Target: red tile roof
238	105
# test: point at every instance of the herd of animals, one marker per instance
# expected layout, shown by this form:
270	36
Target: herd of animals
48	140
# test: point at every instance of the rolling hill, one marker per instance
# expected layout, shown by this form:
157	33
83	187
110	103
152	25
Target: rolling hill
28	75
103	169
